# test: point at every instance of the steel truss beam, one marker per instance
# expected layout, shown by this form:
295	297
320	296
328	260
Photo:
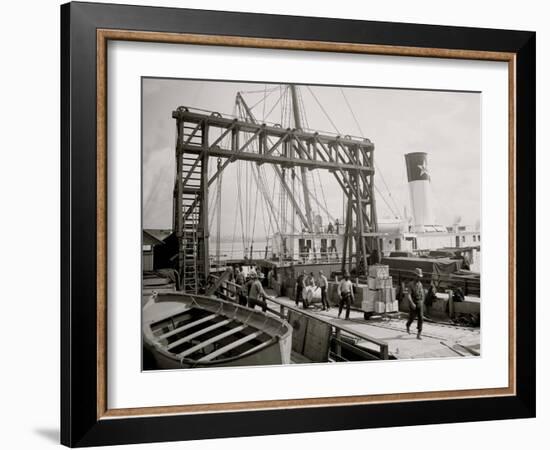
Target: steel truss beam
311	150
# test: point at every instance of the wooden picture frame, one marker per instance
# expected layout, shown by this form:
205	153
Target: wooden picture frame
85	417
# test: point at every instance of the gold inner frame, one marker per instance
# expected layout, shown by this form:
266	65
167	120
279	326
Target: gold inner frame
104	35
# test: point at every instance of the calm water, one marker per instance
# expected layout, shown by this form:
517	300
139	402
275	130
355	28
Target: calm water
236	250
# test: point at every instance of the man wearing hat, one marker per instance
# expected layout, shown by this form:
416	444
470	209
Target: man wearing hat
416	295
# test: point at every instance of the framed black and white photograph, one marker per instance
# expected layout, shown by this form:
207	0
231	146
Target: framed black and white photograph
290	243
278	224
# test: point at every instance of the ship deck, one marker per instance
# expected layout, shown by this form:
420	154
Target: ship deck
439	340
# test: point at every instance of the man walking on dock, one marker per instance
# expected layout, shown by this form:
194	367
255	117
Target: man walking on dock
323	284
345	292
416	296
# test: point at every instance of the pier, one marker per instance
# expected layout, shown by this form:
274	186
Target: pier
439	340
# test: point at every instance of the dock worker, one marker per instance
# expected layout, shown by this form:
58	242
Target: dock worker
269	279
309	286
415	295
323	284
310	280
330	228
466	261
300	287
345	292
431	297
240	281
256	293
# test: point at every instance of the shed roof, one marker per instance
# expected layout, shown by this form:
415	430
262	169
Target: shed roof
160	234
149	239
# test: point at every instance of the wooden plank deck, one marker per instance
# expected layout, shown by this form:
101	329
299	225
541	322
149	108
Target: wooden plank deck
438	340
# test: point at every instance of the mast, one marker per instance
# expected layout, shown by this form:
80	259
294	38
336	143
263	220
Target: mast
303	170
278	171
219	218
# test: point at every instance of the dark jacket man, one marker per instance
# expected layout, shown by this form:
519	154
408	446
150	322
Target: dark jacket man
416	296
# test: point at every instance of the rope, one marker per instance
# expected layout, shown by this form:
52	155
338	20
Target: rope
262	100
385	201
303	108
323	109
260	91
375	165
254	223
265	97
239	200
315	192
262	184
236	209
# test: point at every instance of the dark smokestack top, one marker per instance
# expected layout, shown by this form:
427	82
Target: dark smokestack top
417	166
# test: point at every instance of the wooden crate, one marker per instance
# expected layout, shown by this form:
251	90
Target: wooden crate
379	271
372	282
382	283
367	306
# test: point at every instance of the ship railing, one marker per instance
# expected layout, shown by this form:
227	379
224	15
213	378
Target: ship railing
257	255
338	334
228	290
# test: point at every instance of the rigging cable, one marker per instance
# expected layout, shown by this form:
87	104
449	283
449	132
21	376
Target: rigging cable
262	100
254	222
236	209
239	200
273	107
263	107
261	91
375	165
323	109
326	210
302	111
385	201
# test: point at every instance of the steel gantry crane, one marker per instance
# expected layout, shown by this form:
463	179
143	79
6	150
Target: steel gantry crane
201	136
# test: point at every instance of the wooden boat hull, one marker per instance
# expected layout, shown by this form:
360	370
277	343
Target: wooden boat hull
189	331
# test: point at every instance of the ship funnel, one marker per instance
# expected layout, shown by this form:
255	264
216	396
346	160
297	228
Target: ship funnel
418	176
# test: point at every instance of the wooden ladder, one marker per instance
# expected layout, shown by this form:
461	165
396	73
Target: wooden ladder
190	198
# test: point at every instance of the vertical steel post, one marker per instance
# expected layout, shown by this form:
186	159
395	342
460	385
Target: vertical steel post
178	199
219	207
350	229
204	228
361	211
373	215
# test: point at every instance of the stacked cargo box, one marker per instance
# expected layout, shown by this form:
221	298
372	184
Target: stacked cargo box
381	294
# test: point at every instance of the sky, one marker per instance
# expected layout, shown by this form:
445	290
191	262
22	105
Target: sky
446	125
